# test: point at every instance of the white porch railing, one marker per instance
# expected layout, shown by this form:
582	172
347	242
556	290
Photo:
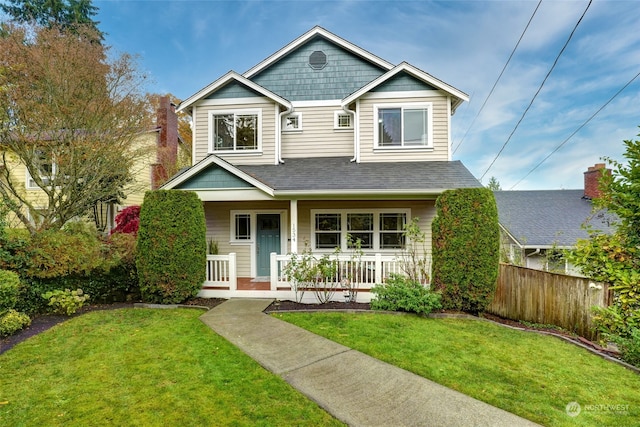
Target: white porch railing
362	272
355	275
221	272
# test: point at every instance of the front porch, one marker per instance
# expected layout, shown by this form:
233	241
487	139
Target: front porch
353	277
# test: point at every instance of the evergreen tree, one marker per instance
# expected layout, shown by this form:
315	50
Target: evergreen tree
65	14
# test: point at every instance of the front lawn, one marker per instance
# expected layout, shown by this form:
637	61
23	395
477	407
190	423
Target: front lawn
528	374
142	367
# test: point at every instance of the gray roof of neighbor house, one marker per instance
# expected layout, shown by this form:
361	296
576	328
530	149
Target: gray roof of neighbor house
546	218
340	174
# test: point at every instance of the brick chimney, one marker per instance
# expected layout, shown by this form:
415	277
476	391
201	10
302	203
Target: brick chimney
592	180
167	143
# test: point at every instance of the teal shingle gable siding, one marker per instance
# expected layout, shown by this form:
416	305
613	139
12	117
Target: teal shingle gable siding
211	178
292	78
402	82
234	90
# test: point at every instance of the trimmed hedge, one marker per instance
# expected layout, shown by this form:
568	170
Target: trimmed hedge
172	247
466	248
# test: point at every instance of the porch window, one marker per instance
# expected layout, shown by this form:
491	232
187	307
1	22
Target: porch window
328	227
404	126
235	131
377	229
392	230
242	227
360	227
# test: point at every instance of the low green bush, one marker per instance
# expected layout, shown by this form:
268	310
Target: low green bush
402	294
75	257
12	321
9	288
630	347
67	301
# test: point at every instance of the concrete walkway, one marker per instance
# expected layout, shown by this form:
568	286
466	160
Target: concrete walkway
355	388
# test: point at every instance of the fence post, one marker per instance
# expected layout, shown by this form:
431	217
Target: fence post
233	274
378	268
274	271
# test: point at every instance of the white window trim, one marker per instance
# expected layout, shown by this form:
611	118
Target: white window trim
232	228
343	227
30	182
426	105
257	112
284	122
336	115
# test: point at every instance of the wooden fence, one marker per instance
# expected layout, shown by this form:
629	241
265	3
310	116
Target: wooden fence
548	298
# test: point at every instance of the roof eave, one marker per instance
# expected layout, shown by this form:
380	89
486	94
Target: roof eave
231	75
457	94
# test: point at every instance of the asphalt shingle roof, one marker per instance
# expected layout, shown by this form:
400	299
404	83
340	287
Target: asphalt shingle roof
549	217
339	173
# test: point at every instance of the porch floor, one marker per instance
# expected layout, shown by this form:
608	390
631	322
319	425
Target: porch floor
253	284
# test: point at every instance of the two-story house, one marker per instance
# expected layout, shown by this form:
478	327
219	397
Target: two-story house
320	141
154	148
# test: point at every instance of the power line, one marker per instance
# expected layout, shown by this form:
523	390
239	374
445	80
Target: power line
499	77
576	131
538	91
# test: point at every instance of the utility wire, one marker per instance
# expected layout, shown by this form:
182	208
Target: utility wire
538	91
498	79
576	131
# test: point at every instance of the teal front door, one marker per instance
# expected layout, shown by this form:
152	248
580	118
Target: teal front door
267	241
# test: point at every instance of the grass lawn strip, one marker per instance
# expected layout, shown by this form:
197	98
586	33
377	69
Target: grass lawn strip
530	375
143	367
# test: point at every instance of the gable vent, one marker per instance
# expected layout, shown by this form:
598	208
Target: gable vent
317	60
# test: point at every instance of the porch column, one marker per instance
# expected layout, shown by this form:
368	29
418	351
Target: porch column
293	208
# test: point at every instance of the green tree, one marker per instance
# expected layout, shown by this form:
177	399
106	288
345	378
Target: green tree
615	258
493	184
65	14
69	116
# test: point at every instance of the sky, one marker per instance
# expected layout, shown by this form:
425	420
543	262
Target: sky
185	45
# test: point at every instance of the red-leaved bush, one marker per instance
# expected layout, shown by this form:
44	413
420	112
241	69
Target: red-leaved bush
127	221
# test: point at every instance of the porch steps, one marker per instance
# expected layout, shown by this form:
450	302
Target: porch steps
355	388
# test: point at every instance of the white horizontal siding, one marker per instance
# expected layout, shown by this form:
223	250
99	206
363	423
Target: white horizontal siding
317	137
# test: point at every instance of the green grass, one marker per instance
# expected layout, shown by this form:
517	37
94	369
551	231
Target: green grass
528	374
140	367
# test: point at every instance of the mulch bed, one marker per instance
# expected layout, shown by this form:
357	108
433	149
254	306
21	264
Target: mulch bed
43	322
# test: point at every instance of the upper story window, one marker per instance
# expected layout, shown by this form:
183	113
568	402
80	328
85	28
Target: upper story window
235	130
46	168
292	122
342	120
404	126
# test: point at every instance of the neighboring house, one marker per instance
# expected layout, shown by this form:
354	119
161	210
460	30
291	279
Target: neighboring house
158	146
319	141
536	226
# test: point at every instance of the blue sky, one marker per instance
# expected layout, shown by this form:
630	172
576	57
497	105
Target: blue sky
185	45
